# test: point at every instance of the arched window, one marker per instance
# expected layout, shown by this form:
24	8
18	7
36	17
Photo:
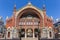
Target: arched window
36	32
50	34
8	34
22	32
29	32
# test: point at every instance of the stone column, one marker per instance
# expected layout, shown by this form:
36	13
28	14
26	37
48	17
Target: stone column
33	34
25	29
33	28
25	33
52	34
48	35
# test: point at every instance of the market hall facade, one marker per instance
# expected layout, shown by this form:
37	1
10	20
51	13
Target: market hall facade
28	22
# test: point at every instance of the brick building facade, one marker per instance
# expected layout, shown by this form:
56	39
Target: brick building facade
29	19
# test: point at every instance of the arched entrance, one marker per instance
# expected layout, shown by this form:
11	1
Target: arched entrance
36	32
29	20
22	32
29	12
29	32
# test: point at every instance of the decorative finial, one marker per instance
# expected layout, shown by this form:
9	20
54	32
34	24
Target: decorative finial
51	17
0	17
29	3
57	19
44	8
14	12
14	6
6	17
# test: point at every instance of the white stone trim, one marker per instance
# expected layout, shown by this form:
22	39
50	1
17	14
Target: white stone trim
50	29
31	6
41	12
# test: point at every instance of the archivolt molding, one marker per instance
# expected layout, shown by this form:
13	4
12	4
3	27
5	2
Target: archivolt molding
32	7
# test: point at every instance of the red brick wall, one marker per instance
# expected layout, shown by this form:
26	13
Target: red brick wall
47	21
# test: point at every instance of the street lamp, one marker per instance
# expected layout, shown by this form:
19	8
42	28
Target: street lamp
38	31
20	33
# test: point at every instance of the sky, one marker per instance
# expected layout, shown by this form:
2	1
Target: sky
52	7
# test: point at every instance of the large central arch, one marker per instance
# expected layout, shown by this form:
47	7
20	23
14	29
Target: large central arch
34	11
30	7
38	12
30	10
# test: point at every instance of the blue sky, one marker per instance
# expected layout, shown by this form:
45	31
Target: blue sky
52	7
